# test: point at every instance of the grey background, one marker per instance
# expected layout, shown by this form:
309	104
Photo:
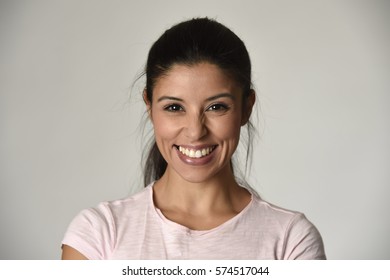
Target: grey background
70	118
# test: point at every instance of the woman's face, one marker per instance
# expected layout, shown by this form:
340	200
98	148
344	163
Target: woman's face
197	114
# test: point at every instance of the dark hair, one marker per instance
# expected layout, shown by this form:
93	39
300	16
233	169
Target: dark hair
189	43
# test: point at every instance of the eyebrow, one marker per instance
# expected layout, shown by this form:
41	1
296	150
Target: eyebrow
169	98
228	95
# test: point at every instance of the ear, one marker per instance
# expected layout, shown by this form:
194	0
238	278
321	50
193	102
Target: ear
148	104
247	108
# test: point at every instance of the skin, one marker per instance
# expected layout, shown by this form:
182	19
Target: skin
196	107
69	253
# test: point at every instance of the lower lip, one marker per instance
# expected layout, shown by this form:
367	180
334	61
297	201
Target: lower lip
196	161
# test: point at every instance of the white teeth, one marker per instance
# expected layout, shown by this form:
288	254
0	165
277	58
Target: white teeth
198	154
195	153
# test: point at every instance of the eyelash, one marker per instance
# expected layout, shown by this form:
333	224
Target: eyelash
170	108
220	107
213	107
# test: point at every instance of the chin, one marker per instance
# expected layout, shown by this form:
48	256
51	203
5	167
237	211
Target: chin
199	176
194	180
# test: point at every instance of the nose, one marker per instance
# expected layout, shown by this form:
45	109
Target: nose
195	128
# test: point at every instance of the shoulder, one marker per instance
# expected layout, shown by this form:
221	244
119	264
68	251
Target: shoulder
109	211
132	204
299	238
94	231
262	209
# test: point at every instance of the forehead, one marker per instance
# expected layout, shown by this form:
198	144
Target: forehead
198	79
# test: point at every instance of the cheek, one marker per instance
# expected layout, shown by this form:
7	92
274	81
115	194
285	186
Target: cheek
164	128
228	129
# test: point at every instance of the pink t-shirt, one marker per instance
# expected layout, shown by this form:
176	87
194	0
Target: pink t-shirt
133	228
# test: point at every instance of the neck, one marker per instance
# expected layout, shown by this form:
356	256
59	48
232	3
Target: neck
220	193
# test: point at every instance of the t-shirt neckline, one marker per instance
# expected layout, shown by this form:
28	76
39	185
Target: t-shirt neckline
192	232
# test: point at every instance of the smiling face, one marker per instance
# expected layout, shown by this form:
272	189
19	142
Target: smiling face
197	114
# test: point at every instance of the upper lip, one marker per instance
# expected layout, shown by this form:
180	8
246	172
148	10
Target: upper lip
197	147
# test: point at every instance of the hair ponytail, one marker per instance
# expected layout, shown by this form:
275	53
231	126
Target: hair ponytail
155	165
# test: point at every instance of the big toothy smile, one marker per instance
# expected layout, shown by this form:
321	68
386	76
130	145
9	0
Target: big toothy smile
195	153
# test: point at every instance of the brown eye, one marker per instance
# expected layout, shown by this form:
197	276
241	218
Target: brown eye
217	107
173	108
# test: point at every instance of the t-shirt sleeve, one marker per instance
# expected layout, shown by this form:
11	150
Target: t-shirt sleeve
92	233
303	241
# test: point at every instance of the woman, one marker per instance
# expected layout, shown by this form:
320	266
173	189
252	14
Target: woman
198	95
